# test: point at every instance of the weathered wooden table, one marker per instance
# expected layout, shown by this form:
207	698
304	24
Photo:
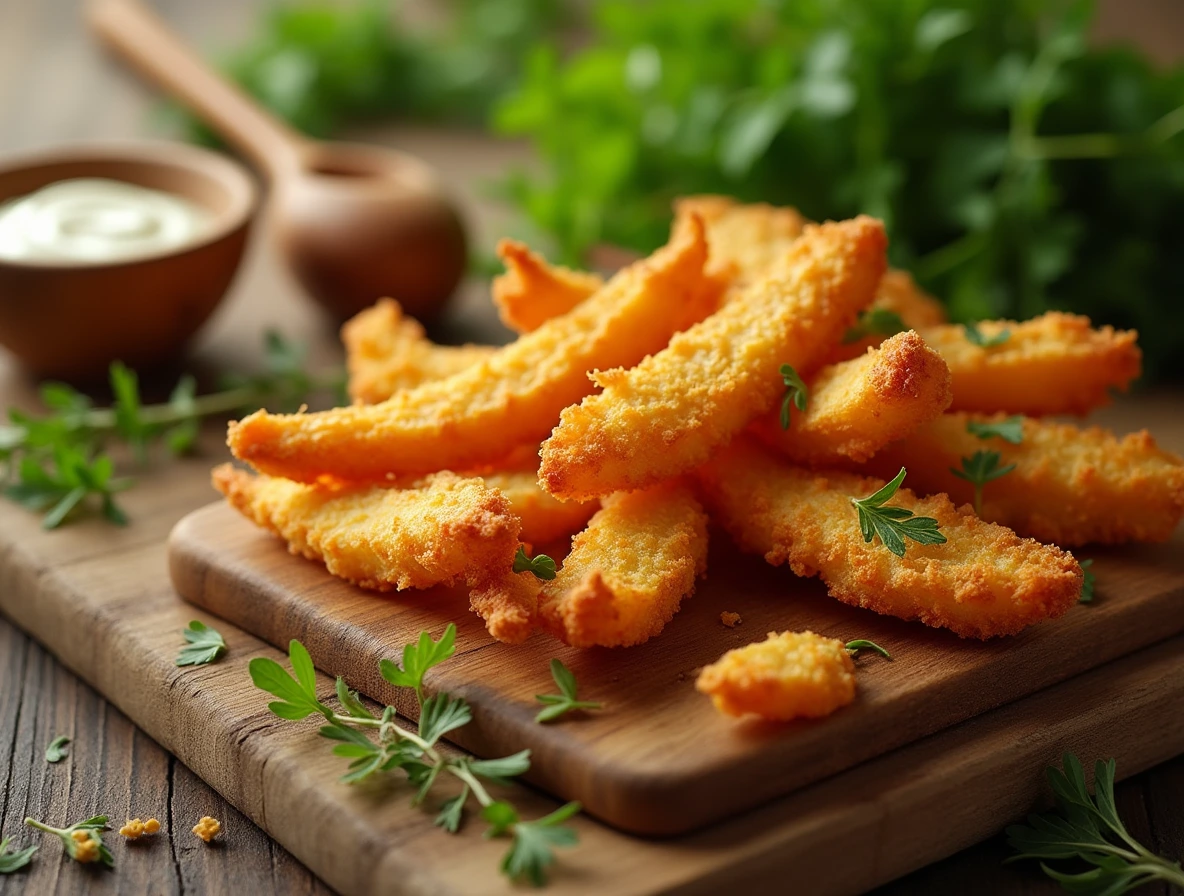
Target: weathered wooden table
55	86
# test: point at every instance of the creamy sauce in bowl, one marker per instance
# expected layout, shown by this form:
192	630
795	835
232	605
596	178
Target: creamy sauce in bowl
97	220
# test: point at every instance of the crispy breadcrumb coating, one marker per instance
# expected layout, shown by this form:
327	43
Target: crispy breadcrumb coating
508	602
386	351
544	518
1052	364
1070	486
666	415
746	240
787	676
983	582
629	570
857	407
513	397
442	529
531	291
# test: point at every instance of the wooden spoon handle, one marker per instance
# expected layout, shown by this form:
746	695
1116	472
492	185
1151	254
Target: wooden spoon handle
146	42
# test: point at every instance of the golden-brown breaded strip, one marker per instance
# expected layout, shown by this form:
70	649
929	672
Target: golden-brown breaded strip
983	582
666	415
787	676
1052	364
746	240
479	415
629	570
442	529
386	352
508	603
900	294
1070	486
544	518
857	407
531	291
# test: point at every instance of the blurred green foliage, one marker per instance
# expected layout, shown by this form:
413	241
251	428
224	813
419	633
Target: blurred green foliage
1018	169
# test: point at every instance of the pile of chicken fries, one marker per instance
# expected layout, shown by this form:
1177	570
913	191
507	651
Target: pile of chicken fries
631	410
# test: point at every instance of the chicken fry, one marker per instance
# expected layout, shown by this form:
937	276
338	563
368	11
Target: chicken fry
666	415
747	241
786	676
857	407
531	291
508	603
983	582
544	519
629	570
1069	486
1052	364
386	352
442	529
479	415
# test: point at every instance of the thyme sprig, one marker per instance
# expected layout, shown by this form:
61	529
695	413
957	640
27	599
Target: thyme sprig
416	753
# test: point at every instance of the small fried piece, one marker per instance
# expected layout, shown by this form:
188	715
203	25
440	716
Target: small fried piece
544	518
386	352
747	240
857	407
1052	364
440	530
479	415
787	676
1070	486
666	415
983	582
629	570
531	291
508	603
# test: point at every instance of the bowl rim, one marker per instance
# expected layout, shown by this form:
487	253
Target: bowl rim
241	185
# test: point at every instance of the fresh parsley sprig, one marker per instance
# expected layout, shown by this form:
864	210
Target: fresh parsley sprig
796	393
415	753
875	322
566	700
542	566
57	461
1009	430
205	645
14	861
975	336
894	524
979	469
1086	827
56	751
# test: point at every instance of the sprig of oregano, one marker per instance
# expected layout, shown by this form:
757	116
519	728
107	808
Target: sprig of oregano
853	647
894	524
875	322
1010	429
83	839
542	566
14	861
1086	827
416	753
979	469
1087	584
205	645
975	336
796	393
56	751
566	700
56	463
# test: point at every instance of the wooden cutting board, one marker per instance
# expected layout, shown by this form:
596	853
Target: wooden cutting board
659	760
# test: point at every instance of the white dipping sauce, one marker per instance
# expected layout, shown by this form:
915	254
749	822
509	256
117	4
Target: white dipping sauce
92	219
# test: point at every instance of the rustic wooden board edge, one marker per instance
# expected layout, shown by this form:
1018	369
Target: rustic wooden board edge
656	801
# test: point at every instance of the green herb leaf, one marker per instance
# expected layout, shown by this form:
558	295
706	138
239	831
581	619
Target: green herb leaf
205	645
894	524
796	393
875	322
181	436
351	701
979	469
442	713
14	861
297	701
418	658
534	843
564	702
542	566
56	751
862	644
1010	430
976	337
501	769
1087	585
452	811
1087	828
501	816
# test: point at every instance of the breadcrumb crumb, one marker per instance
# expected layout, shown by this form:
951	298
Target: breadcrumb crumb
730	619
208	828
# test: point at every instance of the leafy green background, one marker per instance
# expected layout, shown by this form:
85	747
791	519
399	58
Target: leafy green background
1017	168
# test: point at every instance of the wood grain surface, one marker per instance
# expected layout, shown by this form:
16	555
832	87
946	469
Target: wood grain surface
659	759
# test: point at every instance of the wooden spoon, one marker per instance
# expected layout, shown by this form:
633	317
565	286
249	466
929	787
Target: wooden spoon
355	222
